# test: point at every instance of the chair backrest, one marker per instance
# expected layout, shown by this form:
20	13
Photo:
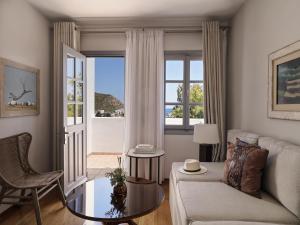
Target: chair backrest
14	157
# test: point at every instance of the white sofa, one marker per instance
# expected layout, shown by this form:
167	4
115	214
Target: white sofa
206	200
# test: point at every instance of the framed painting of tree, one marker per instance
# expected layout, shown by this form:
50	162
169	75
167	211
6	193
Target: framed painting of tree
284	83
19	89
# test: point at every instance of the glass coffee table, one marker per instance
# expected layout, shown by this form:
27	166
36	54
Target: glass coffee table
95	201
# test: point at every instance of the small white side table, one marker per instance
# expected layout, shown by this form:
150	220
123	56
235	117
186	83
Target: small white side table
158	153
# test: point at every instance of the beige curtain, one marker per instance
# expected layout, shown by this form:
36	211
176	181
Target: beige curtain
214	58
64	33
144	106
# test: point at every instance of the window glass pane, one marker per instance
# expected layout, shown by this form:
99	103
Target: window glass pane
79	92
70	90
173	115
71	114
70	67
79	69
196	93
174	92
196	114
79	118
196	70
174	69
109	86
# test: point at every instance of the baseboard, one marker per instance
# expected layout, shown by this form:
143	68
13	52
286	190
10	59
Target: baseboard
105	153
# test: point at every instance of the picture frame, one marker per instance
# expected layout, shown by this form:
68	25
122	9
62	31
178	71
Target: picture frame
284	83
19	89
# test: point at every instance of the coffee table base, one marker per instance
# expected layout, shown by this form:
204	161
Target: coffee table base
129	222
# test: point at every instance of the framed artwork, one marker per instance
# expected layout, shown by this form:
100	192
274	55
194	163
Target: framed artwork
284	83
19	89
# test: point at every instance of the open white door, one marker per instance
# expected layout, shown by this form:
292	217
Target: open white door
74	113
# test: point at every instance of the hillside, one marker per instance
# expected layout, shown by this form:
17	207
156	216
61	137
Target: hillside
107	102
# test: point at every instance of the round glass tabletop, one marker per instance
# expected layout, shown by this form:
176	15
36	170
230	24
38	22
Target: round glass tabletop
94	200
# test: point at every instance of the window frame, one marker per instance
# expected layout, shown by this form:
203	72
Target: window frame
186	57
95	54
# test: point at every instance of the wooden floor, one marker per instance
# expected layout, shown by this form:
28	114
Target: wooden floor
98	161
53	213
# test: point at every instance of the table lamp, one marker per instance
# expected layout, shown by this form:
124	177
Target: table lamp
206	135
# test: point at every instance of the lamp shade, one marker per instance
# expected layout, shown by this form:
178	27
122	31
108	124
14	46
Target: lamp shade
206	134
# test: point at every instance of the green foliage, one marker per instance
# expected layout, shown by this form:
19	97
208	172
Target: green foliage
107	102
177	111
179	93
118	176
196	96
196	111
196	93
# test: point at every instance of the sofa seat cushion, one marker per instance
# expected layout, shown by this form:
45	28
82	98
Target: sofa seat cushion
216	201
214	172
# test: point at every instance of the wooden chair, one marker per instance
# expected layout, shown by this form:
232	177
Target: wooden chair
16	174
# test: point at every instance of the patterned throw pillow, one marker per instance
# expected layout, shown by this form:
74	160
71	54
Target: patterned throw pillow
230	150
244	170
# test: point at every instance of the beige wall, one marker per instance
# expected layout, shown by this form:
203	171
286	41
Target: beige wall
117	41
25	38
259	28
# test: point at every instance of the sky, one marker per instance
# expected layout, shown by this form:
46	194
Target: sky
110	76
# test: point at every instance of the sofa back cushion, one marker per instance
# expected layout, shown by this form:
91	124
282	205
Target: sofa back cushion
282	172
244	136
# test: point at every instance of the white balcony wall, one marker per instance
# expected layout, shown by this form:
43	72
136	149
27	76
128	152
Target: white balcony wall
107	134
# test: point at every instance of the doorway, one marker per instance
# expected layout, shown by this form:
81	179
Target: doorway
105	114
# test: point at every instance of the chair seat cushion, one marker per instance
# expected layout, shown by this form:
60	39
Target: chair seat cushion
36	180
216	201
214	172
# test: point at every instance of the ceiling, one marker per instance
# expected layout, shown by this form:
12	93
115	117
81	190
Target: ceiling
55	9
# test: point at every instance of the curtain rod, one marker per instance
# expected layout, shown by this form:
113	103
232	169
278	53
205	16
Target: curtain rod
197	29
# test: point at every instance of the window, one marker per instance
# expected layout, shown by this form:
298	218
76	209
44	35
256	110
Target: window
109	86
184	94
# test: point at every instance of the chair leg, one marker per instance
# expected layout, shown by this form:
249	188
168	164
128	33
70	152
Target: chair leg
36	206
2	192
61	193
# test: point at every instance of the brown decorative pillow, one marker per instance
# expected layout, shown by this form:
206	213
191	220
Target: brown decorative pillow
244	170
230	150
231	147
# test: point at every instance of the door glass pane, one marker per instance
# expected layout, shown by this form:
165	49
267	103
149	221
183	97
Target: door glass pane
174	70
196	93
79	118
79	69
196	114
174	115
174	92
71	114
79	92
196	70
70	67
70	90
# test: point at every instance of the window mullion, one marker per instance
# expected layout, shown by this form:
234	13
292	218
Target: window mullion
186	91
